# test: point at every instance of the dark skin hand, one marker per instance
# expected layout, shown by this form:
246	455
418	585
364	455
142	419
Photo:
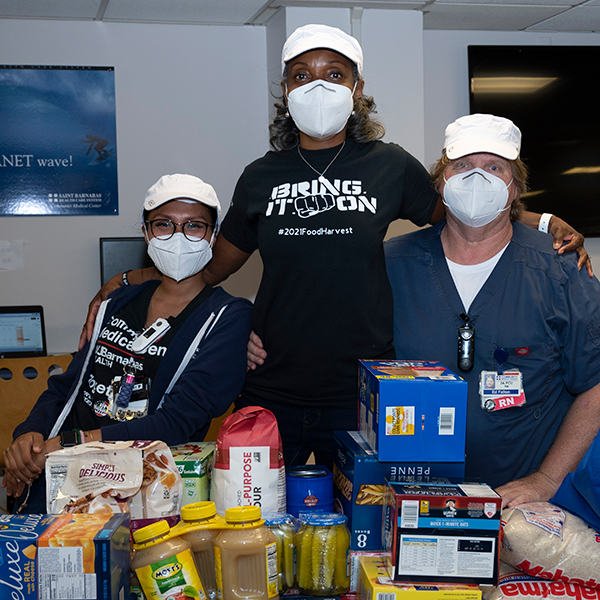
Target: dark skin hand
25	458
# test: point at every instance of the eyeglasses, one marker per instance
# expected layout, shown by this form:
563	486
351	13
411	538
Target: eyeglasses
164	229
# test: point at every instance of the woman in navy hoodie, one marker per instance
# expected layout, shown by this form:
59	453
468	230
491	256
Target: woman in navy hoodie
166	357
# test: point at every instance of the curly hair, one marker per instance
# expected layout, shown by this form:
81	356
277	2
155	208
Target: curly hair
519	173
362	127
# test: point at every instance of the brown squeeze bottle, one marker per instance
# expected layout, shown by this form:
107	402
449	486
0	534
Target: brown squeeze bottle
199	527
246	557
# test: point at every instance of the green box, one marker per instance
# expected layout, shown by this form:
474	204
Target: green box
194	462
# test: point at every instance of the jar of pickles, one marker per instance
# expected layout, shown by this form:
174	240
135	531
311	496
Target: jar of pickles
323	555
282	525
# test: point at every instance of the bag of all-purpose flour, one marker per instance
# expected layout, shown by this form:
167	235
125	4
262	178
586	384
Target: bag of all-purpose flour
249	467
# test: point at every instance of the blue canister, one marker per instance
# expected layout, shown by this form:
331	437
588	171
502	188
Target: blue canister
309	490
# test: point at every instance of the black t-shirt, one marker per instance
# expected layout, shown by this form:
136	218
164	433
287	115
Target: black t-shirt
324	299
112	353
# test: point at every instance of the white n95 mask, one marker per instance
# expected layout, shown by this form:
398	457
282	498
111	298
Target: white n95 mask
475	197
319	108
179	258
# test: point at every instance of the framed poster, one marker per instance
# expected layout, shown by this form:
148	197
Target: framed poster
58	141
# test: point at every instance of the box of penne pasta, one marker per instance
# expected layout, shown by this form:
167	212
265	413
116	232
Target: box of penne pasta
359	481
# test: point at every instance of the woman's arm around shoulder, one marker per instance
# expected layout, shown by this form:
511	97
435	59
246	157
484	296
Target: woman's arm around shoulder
562	232
134	277
227	259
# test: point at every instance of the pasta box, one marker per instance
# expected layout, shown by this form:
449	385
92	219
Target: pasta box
442	533
359	479
194	463
46	557
376	585
412	410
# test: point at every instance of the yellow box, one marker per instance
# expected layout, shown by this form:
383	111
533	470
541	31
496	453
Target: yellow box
376	585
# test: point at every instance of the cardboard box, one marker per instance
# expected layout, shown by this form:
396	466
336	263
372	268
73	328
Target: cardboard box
412	410
66	556
194	462
442	533
359	480
375	584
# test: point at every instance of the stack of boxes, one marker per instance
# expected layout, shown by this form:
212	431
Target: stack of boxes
412	429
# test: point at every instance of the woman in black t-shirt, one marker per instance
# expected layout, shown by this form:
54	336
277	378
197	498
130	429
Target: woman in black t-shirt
317	209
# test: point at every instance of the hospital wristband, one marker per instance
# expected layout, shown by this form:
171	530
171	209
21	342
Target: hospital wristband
543	225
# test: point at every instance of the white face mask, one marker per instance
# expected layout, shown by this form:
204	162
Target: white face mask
179	258
476	197
319	108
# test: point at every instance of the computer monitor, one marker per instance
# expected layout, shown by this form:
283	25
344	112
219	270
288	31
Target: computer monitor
22	332
118	254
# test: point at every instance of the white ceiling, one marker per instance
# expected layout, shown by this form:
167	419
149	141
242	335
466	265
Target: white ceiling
494	15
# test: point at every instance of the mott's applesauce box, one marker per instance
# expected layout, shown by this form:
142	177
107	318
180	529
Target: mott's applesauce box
412	410
48	557
442	533
374	584
359	483
194	462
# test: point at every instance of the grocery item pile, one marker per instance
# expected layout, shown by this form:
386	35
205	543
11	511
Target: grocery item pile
226	520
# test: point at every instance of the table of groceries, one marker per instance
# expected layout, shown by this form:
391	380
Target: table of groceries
226	520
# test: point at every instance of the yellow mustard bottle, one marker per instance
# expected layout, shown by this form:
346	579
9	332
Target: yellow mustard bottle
246	557
199	526
164	564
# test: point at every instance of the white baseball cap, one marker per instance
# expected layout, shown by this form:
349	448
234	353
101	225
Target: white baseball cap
483	133
183	187
310	37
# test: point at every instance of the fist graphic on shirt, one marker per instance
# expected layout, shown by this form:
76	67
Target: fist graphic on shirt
309	206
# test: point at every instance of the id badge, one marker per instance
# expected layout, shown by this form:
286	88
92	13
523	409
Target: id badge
498	391
138	404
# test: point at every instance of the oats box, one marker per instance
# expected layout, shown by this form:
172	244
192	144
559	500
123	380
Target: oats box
442	533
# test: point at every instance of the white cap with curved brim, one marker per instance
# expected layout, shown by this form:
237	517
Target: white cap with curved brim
183	187
313	36
483	133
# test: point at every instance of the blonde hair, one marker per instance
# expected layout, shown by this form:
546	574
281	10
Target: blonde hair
519	173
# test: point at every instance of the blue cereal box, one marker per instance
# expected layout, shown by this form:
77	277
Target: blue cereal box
359	481
44	557
412	410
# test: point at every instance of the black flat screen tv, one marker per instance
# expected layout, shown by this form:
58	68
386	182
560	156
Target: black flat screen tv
551	94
